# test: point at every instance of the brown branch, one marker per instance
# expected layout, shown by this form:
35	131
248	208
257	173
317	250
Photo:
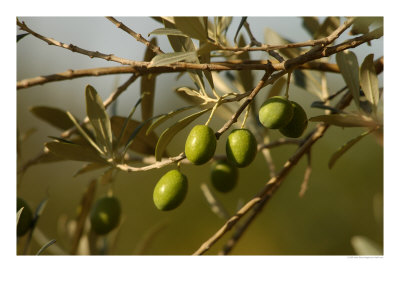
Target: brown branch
137	36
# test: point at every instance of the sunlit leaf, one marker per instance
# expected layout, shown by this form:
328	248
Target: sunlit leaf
170	132
170	58
192	26
168	31
147	86
53	116
345	120
71	151
99	119
342	150
144	144
369	80
19	212
166	117
348	65
311	24
365	246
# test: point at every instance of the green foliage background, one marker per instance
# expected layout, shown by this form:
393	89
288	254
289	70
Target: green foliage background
339	203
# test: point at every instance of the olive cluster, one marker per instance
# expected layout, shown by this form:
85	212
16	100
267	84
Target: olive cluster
241	149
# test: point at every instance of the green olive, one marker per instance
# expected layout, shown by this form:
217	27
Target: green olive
275	112
105	215
241	147
224	175
298	124
170	190
200	144
25	219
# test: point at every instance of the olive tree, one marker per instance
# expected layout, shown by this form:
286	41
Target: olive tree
230	124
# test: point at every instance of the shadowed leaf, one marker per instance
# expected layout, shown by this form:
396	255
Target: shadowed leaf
369	80
242	21
75	152
348	65
327	27
342	150
89	167
245	76
170	132
361	24
277	87
144	144
53	116
192	26
99	119
20	36
345	120
311	24
147	86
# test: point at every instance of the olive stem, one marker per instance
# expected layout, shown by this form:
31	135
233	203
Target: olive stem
288	84
245	116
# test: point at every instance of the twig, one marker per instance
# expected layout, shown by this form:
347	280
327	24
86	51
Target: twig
137	36
307	175
164	162
216	206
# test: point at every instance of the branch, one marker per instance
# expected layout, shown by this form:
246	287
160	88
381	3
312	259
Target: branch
137	36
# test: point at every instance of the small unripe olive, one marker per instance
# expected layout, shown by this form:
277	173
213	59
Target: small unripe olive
275	112
297	124
25	219
200	144
105	215
170	190
241	147
224	175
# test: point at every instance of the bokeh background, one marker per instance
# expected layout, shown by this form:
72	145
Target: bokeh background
339	204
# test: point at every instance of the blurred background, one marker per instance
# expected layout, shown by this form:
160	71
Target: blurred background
340	203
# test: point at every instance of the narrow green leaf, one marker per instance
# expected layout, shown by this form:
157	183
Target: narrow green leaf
20	36
53	116
147	86
75	152
242	21
345	120
99	119
311	24
185	44
144	144
192	26
170	58
84	134
327	27
342	150
170	132
166	117
88	168
205	59
348	65
44	247
168	31
322	105
369	80
276	88
245	77
365	246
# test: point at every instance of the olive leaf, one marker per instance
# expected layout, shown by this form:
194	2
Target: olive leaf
246	78
170	132
88	168
361	24
20	36
19	212
276	88
144	144
192	26
342	150
72	151
369	80
99	119
170	58
168	31
166	117
348	65
53	116
45	246
311	24
147	86
242	21
327	27
346	120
